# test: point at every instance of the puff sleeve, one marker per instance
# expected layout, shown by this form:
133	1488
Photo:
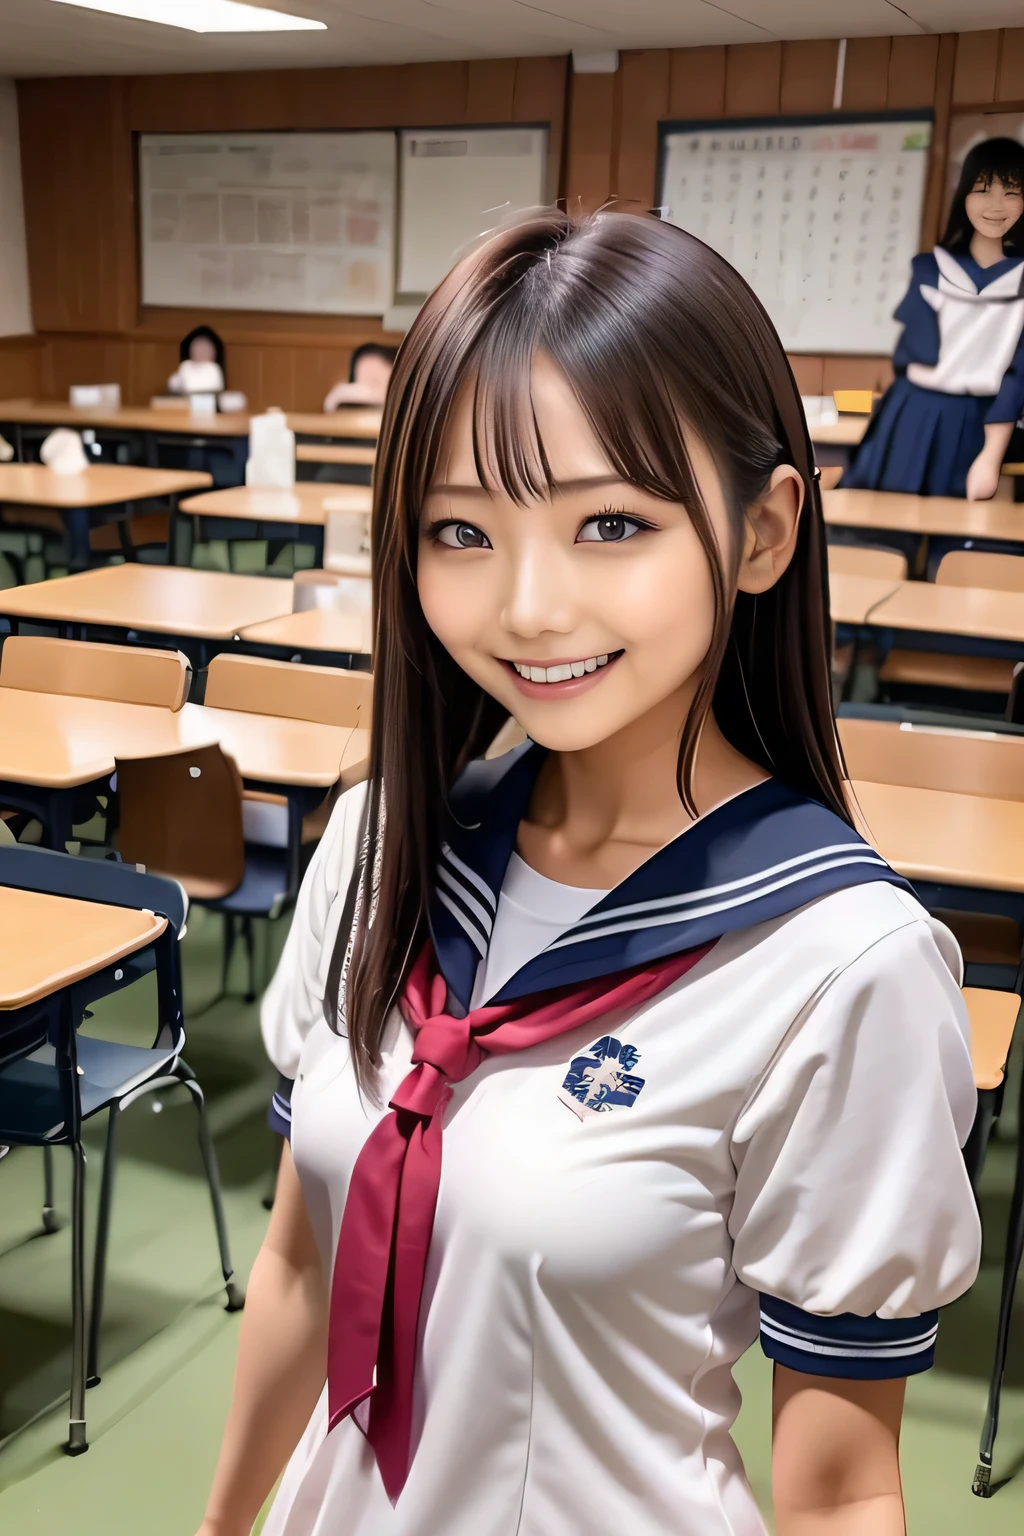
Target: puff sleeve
853	1216
293	1002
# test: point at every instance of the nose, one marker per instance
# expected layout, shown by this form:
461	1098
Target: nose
539	597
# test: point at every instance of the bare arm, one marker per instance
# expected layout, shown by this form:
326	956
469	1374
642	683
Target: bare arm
282	1356
983	475
835	1456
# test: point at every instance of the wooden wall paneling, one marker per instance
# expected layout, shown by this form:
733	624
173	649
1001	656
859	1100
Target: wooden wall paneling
591	113
21	367
152	363
977	63
79	203
644	99
866	75
539	96
935	185
696	83
808	76
912	66
490	91
1010	80
753	74
856	373
82	359
809	373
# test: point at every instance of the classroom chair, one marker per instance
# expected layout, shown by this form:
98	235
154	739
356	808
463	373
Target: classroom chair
53	1079
84	669
993	1018
965	762
963	673
127	536
866	560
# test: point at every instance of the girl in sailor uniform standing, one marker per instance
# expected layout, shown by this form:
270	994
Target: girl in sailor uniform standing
943	427
614	1051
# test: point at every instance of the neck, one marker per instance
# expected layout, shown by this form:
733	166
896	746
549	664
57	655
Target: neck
597	814
986	249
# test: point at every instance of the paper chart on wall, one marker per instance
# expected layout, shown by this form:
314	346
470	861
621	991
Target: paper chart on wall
821	218
300	222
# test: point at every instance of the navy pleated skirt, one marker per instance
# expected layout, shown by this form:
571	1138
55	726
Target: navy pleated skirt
920	441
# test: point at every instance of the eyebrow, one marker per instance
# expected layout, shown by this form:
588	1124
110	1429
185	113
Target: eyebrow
562	487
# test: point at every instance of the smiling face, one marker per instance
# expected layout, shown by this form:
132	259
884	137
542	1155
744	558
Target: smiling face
581	613
994	209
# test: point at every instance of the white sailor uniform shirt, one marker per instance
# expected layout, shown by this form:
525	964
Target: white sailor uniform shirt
785	1158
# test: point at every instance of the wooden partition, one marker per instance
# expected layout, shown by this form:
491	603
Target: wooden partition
79	178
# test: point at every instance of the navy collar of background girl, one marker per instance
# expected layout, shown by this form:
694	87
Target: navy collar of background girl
762	854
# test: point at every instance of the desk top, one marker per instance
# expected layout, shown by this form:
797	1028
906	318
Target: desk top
101	485
56	741
308	501
48	942
844	433
358	421
924	514
335	453
131	418
852	598
932	834
317	629
159	599
977	611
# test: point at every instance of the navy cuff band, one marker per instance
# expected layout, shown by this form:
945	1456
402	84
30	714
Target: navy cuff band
859	1348
279	1115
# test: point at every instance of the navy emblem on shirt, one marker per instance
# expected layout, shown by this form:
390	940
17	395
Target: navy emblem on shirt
603	1079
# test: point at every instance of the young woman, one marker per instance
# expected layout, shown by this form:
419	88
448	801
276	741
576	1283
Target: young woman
610	1046
368	375
943	427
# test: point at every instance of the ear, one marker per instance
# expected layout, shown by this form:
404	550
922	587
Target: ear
770	531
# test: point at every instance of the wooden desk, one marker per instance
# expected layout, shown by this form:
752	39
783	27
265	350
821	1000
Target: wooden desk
853	598
304	503
844	433
334	453
57	741
344	632
922	515
351	421
934	835
129	418
49	942
153	599
974	612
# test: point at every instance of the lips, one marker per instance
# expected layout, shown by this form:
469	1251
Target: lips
560	679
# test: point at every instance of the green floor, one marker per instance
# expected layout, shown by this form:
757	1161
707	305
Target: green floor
155	1419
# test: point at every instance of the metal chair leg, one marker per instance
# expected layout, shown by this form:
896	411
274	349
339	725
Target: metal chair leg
235	1296
76	1441
250	949
982	1485
50	1223
229	949
99	1273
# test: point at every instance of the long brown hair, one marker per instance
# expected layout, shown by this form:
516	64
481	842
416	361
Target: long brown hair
652	330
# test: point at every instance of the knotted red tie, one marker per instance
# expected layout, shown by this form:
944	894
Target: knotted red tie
389	1214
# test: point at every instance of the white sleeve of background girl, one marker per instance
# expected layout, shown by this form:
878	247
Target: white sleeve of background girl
853	1216
293	1002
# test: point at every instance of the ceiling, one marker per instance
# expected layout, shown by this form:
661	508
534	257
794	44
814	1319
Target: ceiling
38	37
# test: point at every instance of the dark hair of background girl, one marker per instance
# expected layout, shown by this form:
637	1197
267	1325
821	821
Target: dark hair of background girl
653	331
370	349
208	334
995	158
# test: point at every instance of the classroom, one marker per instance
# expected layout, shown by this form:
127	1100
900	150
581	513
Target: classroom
478	402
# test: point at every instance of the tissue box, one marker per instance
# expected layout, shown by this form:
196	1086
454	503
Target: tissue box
95	397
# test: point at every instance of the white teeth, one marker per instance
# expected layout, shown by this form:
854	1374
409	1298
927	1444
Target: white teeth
562	672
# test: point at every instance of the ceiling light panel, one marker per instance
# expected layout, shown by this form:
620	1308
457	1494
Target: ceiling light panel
202	15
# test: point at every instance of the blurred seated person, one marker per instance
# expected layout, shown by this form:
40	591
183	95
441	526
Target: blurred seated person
368	375
202	370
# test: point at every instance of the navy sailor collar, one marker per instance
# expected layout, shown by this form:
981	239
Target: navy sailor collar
758	856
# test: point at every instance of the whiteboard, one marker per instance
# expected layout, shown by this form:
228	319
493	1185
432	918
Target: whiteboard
456	184
301	222
820	216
